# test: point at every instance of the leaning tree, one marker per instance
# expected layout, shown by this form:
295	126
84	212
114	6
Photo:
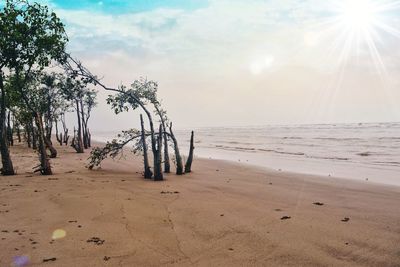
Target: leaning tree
124	100
133	98
139	95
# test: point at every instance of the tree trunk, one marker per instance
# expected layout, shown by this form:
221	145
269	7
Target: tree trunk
188	165
19	134
84	129
158	175
178	158
45	168
49	145
10	130
147	172
48	130
28	135
58	136
167	166
79	144
34	137
66	137
73	141
47	140
153	139
48	120
65	129
7	166
89	137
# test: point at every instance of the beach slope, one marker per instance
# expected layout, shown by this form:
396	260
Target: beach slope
222	214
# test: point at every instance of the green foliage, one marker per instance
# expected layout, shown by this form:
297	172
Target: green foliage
31	35
89	98
74	89
141	90
36	95
115	147
71	88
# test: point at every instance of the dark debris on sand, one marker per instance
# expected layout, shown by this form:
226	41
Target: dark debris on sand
169	192
286	218
49	259
96	240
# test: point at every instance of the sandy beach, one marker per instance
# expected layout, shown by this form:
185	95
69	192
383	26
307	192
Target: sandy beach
222	214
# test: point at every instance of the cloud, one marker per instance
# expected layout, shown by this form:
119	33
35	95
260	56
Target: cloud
215	32
212	53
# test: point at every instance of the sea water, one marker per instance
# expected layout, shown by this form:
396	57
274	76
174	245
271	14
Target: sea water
368	152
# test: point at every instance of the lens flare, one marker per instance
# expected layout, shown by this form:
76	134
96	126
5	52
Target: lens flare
58	234
20	261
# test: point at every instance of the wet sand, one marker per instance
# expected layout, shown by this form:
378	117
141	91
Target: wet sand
222	214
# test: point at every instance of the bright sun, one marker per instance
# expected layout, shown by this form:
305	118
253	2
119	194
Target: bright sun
357	28
358	15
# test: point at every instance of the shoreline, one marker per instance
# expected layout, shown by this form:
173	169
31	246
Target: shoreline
221	214
341	165
326	170
312	176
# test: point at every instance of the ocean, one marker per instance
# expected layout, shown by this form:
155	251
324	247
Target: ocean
368	152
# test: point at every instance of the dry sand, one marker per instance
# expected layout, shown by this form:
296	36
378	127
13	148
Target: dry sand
223	214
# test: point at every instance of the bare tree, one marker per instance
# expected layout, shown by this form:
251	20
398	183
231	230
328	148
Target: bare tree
188	165
178	158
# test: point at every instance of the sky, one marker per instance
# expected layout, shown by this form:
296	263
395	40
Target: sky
242	62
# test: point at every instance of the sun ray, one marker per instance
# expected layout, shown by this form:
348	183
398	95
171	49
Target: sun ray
354	34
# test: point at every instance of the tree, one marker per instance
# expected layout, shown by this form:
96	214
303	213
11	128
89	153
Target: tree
73	90
51	104
141	93
32	99
87	103
122	101
62	137
133	98
6	161
31	38
116	147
